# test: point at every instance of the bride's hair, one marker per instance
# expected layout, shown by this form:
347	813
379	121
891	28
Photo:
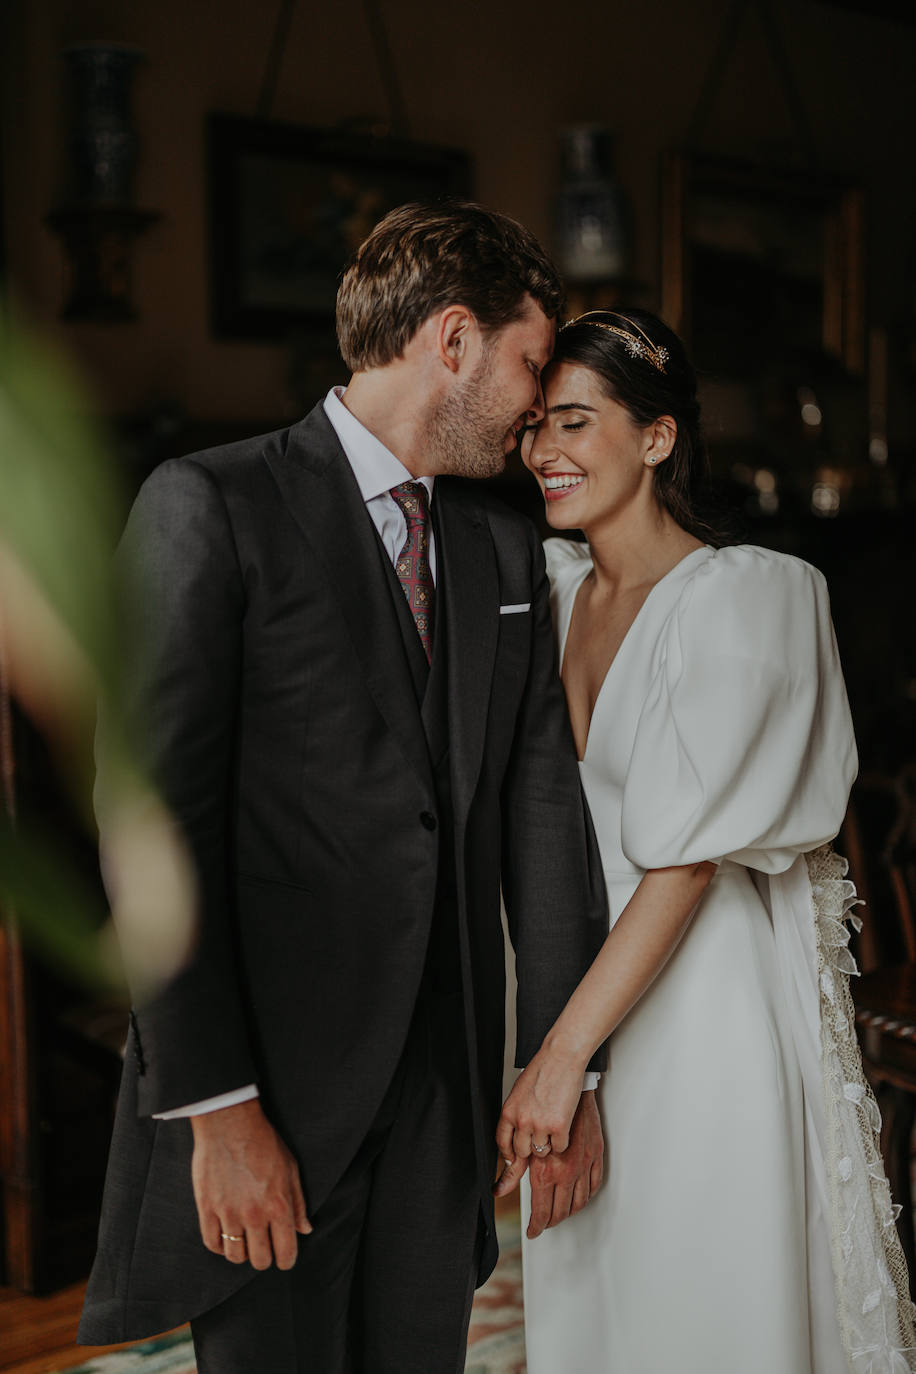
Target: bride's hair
642	364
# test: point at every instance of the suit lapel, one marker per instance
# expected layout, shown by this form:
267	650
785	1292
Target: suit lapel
323	496
469	581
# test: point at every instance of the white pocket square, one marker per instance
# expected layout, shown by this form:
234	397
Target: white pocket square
515	610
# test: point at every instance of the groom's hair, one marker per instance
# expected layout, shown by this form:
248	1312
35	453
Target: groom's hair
420	259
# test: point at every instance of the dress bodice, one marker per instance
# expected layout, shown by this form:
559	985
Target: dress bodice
722	728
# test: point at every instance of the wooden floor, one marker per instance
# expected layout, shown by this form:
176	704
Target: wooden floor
39	1334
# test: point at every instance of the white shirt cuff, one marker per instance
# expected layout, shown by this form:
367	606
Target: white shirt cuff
212	1104
590	1081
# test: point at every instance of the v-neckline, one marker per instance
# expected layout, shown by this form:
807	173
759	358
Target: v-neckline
564	634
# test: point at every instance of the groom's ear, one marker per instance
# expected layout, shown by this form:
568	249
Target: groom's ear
457	337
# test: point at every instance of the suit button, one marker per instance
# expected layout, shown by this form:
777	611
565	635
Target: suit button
428	820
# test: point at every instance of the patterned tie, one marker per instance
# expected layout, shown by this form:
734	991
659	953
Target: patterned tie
412	566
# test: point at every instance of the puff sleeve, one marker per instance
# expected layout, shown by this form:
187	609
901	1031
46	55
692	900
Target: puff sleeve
563	554
744	748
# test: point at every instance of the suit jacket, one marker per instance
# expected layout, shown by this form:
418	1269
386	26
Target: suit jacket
282	724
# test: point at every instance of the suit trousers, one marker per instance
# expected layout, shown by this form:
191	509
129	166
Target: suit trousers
385	1282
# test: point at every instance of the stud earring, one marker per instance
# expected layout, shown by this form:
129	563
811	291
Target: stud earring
653	461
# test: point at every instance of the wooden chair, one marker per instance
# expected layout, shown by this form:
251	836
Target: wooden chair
879	840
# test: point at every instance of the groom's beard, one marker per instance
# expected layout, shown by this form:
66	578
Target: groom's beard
466	437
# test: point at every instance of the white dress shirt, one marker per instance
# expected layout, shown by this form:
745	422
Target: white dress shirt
376	470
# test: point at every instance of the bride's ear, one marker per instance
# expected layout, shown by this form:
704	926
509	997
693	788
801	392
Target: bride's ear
661	436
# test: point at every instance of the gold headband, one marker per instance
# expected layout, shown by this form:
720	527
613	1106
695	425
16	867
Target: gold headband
637	348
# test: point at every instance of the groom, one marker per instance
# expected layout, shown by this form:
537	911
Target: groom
350	700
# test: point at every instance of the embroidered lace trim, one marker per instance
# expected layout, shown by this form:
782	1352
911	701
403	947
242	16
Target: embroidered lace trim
877	1318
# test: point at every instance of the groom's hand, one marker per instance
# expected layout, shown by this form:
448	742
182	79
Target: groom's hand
247	1188
562	1184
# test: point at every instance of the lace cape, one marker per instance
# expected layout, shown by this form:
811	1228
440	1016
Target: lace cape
811	905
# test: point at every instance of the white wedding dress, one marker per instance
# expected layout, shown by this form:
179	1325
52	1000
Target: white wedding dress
745	1225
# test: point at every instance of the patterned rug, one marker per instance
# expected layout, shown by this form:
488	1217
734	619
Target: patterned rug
496	1342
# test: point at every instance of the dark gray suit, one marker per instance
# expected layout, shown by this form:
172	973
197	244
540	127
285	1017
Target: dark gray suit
350	835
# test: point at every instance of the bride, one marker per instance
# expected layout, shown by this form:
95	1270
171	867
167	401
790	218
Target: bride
746	1223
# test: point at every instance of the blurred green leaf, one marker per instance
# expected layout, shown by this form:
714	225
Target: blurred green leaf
60	514
60	502
58	913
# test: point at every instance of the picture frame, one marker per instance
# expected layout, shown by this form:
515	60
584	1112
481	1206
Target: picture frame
289	204
790	245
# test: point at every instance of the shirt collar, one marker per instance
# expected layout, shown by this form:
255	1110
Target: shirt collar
375	467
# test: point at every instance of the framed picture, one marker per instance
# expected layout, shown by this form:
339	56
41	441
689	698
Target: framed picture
763	276
290	204
759	263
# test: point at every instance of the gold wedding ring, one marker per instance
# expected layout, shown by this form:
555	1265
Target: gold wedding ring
225	1236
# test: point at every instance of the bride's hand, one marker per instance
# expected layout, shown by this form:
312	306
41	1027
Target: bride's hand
537	1114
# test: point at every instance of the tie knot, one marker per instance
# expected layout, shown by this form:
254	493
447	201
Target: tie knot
413	498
